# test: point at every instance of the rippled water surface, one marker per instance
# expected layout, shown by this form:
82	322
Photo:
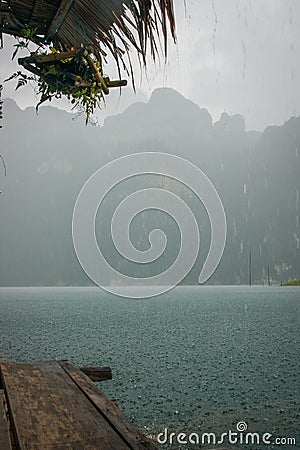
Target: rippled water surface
196	358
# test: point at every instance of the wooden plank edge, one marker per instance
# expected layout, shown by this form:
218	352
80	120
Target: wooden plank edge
5	442
59	18
7	435
97	373
130	434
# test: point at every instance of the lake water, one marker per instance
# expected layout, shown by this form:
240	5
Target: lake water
196	359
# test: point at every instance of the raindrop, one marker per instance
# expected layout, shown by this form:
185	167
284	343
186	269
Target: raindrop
234	226
297	239
292	74
241	246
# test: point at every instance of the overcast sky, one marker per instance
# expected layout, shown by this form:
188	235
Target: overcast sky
238	56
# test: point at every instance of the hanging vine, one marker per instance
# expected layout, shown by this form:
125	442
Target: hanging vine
83	34
76	74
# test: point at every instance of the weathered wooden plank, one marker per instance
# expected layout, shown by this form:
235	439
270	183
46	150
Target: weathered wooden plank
58	19
58	56
133	436
48	411
5	443
98	75
52	57
115	83
97	373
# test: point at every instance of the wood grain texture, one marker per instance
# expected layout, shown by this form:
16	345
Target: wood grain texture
59	17
5	443
97	373
117	420
48	411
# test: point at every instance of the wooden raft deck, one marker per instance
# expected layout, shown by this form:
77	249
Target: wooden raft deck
54	405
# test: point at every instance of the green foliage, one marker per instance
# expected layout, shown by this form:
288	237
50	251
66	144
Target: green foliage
71	77
292	283
28	34
74	79
22	78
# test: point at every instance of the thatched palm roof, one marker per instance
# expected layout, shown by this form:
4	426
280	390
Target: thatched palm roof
104	25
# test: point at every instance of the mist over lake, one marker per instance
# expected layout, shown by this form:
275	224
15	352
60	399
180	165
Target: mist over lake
256	175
